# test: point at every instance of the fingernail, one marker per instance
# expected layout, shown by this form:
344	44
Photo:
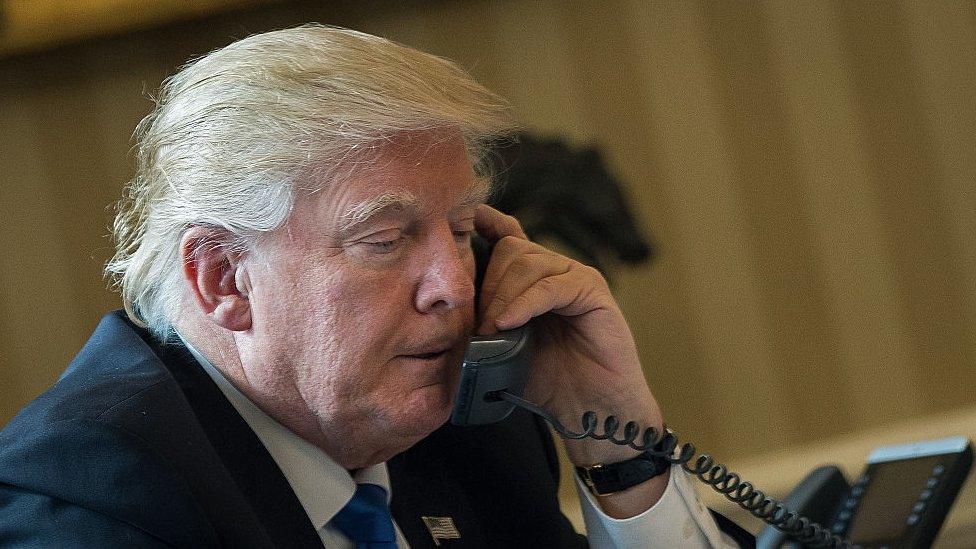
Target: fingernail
504	322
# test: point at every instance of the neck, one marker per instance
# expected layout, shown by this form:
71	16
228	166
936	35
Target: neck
272	390
274	395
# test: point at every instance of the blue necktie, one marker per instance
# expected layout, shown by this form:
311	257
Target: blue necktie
366	519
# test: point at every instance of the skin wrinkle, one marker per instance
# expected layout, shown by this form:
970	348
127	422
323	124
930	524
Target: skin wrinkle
284	387
354	346
320	96
361	214
335	377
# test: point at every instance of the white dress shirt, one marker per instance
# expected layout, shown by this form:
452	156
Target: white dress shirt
323	487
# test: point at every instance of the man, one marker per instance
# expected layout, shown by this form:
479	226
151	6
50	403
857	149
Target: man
295	259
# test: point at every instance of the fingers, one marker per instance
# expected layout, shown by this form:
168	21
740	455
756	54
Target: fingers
516	265
508	239
506	253
494	225
564	294
535	283
525	280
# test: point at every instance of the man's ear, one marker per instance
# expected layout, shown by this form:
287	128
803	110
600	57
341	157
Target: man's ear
214	272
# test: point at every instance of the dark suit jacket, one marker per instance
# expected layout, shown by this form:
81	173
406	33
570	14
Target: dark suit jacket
135	446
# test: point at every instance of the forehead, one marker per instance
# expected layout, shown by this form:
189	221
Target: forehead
413	160
427	171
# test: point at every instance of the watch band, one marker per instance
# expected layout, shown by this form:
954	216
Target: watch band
604	479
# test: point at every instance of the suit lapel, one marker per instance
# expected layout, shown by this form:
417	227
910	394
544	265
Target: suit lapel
423	485
255	472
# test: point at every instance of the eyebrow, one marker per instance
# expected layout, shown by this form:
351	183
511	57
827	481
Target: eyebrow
360	213
401	201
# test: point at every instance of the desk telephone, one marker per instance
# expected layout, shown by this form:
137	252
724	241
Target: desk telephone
899	501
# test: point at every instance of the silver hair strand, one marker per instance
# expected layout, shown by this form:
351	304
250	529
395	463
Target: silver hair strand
236	136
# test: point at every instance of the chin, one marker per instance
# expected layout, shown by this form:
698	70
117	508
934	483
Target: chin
383	435
425	410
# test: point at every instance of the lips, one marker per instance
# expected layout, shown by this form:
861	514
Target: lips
430	350
428	356
427	364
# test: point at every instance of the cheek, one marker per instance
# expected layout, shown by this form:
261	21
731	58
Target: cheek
349	318
366	303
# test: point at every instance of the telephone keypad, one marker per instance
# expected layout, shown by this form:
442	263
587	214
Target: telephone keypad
850	505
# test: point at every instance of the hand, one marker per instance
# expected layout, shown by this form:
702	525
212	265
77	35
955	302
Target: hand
585	356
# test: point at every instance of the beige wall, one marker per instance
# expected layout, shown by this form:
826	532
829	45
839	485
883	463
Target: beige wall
806	169
30	25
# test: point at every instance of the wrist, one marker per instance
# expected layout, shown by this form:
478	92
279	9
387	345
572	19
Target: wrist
632	501
638	494
606	479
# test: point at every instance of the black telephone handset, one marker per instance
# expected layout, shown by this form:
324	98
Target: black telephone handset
492	364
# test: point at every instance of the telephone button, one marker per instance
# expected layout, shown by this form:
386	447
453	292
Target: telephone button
925	495
862	480
843	516
931	483
938	470
851	503
857	491
913	519
839	528
918	507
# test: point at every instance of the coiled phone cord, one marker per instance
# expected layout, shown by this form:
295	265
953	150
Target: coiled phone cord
716	475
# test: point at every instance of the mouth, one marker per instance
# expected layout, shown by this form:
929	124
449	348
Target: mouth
428	369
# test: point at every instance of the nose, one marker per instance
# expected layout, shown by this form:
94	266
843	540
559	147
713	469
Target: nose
445	274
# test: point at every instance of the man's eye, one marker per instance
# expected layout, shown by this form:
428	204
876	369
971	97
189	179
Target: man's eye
384	246
463	236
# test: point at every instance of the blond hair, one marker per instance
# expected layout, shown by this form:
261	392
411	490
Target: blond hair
234	134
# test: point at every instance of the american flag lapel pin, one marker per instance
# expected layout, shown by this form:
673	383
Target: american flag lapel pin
441	528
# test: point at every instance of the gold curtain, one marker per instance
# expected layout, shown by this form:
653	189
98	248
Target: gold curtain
805	168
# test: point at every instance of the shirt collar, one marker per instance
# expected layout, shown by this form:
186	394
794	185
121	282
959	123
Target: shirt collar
322	486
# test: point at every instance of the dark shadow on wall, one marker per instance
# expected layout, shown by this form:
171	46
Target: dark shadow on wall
566	194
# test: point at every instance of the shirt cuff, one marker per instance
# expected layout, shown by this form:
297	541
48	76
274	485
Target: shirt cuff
678	519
